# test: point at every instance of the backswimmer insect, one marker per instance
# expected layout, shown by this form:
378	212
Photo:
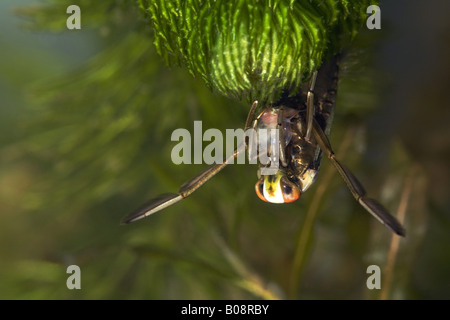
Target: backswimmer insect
303	123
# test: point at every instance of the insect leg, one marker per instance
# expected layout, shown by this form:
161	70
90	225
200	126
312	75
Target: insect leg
372	206
310	107
281	143
251	114
252	140
185	190
189	187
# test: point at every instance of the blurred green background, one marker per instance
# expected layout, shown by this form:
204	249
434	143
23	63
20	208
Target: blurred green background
85	124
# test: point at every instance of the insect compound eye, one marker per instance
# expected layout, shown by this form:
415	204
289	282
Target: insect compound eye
259	189
289	190
296	149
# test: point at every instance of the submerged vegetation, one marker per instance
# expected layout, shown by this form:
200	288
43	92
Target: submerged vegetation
87	143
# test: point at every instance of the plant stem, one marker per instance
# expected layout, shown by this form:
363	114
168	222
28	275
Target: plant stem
305	233
393	249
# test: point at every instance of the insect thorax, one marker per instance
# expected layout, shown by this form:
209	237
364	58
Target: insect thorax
302	157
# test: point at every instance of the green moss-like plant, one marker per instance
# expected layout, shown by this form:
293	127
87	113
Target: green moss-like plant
99	145
251	50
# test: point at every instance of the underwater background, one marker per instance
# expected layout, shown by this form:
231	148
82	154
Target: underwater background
85	123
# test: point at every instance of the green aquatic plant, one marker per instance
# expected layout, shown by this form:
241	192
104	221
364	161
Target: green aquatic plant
253	50
97	144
